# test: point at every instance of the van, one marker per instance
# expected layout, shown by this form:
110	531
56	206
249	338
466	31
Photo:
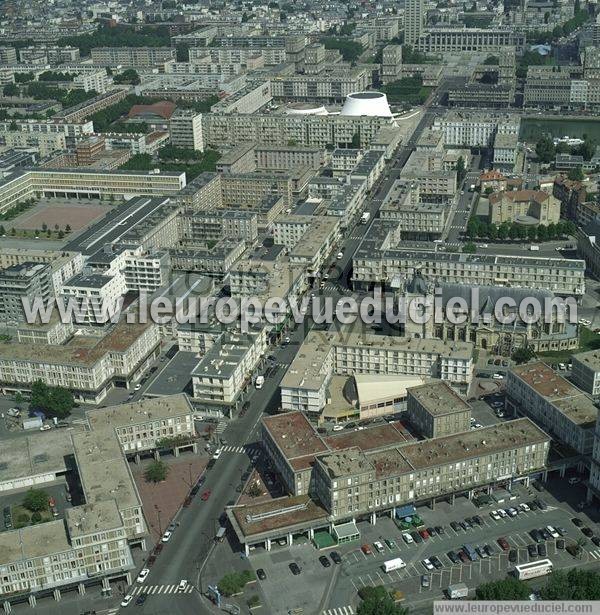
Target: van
574	480
260	380
534	248
220	534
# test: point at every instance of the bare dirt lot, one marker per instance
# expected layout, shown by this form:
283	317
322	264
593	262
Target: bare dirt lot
78	215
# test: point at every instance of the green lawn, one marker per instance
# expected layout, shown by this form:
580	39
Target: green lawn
21	517
588	340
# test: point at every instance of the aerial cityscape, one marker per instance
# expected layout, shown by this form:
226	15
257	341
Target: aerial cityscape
299	305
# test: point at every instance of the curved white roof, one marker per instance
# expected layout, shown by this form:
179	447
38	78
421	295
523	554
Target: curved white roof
367	103
305	109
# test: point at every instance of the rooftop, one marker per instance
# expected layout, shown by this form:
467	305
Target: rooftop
92	518
294	435
439	399
33	541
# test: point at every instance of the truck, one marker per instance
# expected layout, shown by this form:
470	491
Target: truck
365	217
534	248
393	564
457	591
32	422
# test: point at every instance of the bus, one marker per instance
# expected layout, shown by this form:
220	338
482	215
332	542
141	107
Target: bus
393	564
533	569
471	553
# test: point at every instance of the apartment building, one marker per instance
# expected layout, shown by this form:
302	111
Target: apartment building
415	219
227	367
89	366
286	157
331	85
562	410
391	64
275	129
8	55
245	56
414	21
97	81
435	410
382	467
185	129
202	226
520	205
437	184
315	246
249	190
46	144
551	86
71	130
304	385
475	129
132	56
51	54
27	281
380	257
586	372
80	112
140	425
249	99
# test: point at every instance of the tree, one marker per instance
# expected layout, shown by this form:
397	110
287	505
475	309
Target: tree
532	233
545	150
460	170
576	174
506	589
469	248
488	190
523	354
19	399
377	601
11	89
156	472
503	231
129	76
67	229
36	500
577	584
53	401
542	233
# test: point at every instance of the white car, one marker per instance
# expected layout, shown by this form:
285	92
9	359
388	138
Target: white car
585	322
428	565
126	600
338	427
478	425
340	256
408	539
513	512
524	507
167	536
552	531
502	513
378	546
498	376
495	515
137	387
217	453
45	427
182	585
144	572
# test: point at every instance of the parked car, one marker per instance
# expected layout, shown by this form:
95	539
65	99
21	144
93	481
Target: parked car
126	600
577	522
416	537
141	599
503	544
424	534
553	533
560	543
596	540
427	563
296	570
478	520
494	515
436	562
533	505
431	531
166	536
366	549
324	561
488	549
464	525
205	495
542	504
586	531
454	525
144	572
182	585
541	549
536	535
502	513
481	552
512	555
453	557
390	543
378	547
464	558
524	507
512	512
408	539
440	529
532	550
424	580
261	574
335	556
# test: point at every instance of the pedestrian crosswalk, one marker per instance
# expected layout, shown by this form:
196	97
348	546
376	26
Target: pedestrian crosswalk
595	554
80	422
340	610
252	450
228	448
221	427
151	590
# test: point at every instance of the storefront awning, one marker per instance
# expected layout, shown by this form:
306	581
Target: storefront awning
346	531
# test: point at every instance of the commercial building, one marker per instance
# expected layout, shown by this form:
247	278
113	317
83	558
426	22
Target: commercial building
475	129
414	21
566	413
185	129
453	39
132	56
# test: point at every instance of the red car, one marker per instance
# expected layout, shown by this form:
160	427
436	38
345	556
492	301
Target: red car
51	502
205	495
464	558
424	534
504	544
366	549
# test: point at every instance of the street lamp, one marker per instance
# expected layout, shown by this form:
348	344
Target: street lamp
158	511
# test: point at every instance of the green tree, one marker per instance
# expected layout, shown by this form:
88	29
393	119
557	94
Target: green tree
545	150
542	233
513	232
469	248
460	170
19	399
576	584
53	401
523	354
156	472
349	49
129	76
503	230
67	229
11	89
506	589
36	500
531	233
377	601
576	174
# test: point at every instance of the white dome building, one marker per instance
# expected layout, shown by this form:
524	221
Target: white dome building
305	109
367	103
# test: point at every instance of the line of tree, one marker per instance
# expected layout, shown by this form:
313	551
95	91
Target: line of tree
51	75
68	98
477	228
546	151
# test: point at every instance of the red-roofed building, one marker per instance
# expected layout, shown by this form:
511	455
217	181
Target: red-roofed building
162	110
